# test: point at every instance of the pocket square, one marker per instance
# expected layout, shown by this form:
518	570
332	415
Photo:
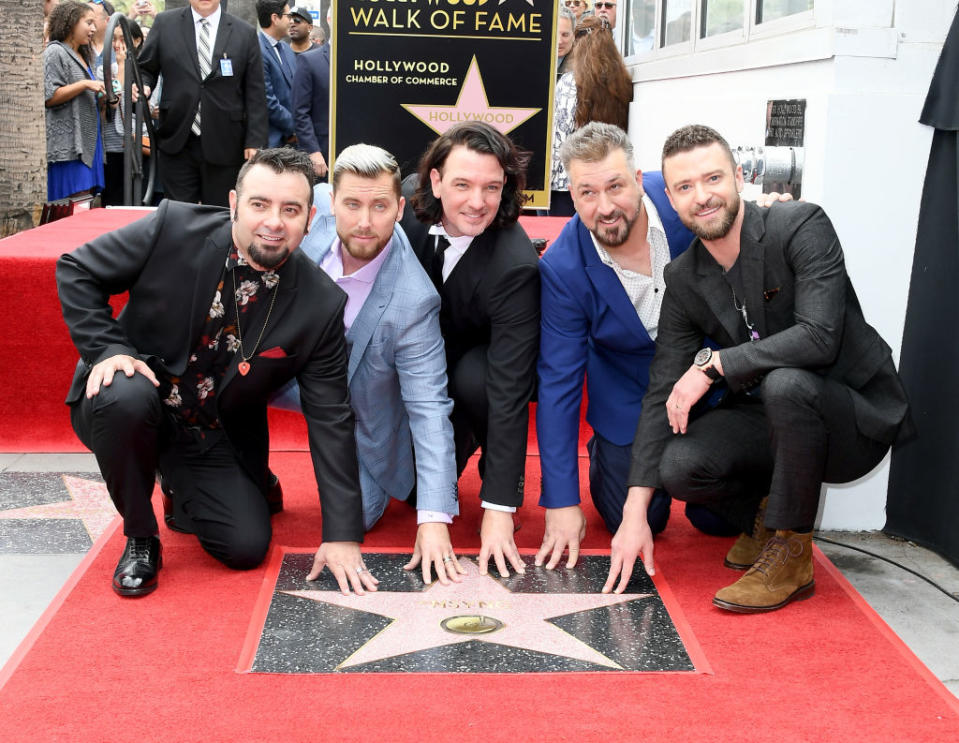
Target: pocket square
273	353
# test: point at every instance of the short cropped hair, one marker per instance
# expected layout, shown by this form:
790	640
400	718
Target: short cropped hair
280	160
478	137
595	142
366	161
692	136
265	10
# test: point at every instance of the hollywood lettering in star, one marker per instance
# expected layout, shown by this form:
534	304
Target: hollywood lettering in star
404	71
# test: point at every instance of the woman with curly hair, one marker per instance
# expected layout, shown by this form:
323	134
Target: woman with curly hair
72	92
598	89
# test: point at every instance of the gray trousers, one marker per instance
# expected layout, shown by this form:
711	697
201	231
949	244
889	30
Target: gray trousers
799	432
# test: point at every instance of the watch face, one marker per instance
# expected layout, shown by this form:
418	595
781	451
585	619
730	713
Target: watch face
703	357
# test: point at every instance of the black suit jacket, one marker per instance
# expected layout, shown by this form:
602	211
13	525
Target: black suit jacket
804	308
170	263
234	114
492	297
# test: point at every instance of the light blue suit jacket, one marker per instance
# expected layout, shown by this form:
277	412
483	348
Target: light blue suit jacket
397	377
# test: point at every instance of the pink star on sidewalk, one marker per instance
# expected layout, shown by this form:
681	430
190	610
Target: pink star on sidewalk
418	615
89	502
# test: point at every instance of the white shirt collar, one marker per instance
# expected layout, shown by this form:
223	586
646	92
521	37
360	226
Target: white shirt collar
213	18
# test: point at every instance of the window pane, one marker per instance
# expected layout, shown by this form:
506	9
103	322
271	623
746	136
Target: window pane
642	27
720	16
770	10
677	16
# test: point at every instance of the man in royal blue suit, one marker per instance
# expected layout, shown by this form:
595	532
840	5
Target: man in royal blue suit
279	64
397	361
602	287
311	106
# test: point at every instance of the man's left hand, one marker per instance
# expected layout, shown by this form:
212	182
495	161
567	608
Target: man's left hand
768	199
249	152
434	549
686	393
496	541
345	561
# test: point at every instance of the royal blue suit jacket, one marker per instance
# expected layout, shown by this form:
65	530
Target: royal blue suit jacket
311	100
589	327
396	374
278	81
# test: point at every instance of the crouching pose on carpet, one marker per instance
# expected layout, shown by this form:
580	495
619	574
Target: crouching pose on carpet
397	363
222	311
812	390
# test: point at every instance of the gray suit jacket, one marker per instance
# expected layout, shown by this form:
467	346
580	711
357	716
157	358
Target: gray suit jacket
804	308
397	376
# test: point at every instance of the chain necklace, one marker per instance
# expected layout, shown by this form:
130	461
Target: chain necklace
741	309
244	366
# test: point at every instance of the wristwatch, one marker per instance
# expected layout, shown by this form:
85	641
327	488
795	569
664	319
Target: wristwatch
702	359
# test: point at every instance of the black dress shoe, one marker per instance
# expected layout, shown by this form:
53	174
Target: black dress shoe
136	573
274	496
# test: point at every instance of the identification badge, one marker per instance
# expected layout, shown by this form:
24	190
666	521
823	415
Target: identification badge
226	67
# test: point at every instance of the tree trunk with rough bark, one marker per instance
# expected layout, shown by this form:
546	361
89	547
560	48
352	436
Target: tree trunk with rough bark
23	142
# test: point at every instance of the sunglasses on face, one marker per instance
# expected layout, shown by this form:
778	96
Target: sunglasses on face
574	3
608	6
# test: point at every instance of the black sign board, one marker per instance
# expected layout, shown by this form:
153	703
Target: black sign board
785	123
404	71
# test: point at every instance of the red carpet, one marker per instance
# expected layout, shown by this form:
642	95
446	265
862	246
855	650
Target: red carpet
162	667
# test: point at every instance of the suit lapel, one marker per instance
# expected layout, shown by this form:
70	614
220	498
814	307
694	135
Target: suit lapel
188	34
287	66
607	283
208	273
470	269
361	331
752	260
222	39
715	290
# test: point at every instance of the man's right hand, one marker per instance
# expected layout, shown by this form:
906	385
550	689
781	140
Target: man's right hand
434	549
633	539
565	528
319	164
103	372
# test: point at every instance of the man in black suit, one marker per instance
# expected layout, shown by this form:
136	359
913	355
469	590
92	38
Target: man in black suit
213	106
222	312
467	201
311	106
813	393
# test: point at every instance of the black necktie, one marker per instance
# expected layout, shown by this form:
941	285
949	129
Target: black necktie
436	267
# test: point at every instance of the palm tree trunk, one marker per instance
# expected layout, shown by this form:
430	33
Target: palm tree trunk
23	159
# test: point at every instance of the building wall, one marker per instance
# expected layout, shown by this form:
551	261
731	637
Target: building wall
864	70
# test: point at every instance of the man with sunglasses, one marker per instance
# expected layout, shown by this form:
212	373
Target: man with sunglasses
606	9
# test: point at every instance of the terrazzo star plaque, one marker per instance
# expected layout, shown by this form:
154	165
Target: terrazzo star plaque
543	621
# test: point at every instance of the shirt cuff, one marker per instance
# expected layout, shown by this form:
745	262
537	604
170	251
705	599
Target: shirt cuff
430	517
497	507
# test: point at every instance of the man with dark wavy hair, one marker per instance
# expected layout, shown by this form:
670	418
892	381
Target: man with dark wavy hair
467	200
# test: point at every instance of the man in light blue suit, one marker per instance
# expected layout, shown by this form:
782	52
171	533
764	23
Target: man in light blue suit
279	64
397	362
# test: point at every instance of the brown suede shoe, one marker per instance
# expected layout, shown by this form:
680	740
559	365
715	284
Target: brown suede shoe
747	548
783	573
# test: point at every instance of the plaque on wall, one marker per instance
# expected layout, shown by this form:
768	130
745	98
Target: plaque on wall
403	73
785	127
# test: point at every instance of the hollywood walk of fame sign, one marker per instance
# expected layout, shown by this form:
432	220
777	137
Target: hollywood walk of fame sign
544	621
405	71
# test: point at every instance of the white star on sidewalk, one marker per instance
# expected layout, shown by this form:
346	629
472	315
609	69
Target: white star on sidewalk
417	617
89	502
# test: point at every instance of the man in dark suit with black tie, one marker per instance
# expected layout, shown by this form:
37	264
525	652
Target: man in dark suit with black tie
212	106
222	312
311	106
467	201
813	394
279	64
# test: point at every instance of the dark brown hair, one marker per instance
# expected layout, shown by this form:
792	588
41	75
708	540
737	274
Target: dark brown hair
479	137
280	160
603	85
63	19
692	136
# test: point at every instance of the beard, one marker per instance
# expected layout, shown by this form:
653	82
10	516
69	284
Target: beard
267	258
364	252
719	227
616	235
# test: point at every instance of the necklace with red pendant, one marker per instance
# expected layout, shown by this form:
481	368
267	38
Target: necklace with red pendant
244	366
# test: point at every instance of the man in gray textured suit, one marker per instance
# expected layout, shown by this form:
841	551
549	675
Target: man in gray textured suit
812	390
397	363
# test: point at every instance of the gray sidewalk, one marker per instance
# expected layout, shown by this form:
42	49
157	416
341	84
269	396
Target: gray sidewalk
44	536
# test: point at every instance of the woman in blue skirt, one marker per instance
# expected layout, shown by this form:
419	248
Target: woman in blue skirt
72	93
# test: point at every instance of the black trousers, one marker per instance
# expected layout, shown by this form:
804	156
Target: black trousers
187	176
799	432
133	437
470	416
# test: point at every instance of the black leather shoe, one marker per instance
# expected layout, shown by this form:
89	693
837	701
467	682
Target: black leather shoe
274	496
136	573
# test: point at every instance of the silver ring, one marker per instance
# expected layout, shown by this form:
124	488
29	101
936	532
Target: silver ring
361	569
448	559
